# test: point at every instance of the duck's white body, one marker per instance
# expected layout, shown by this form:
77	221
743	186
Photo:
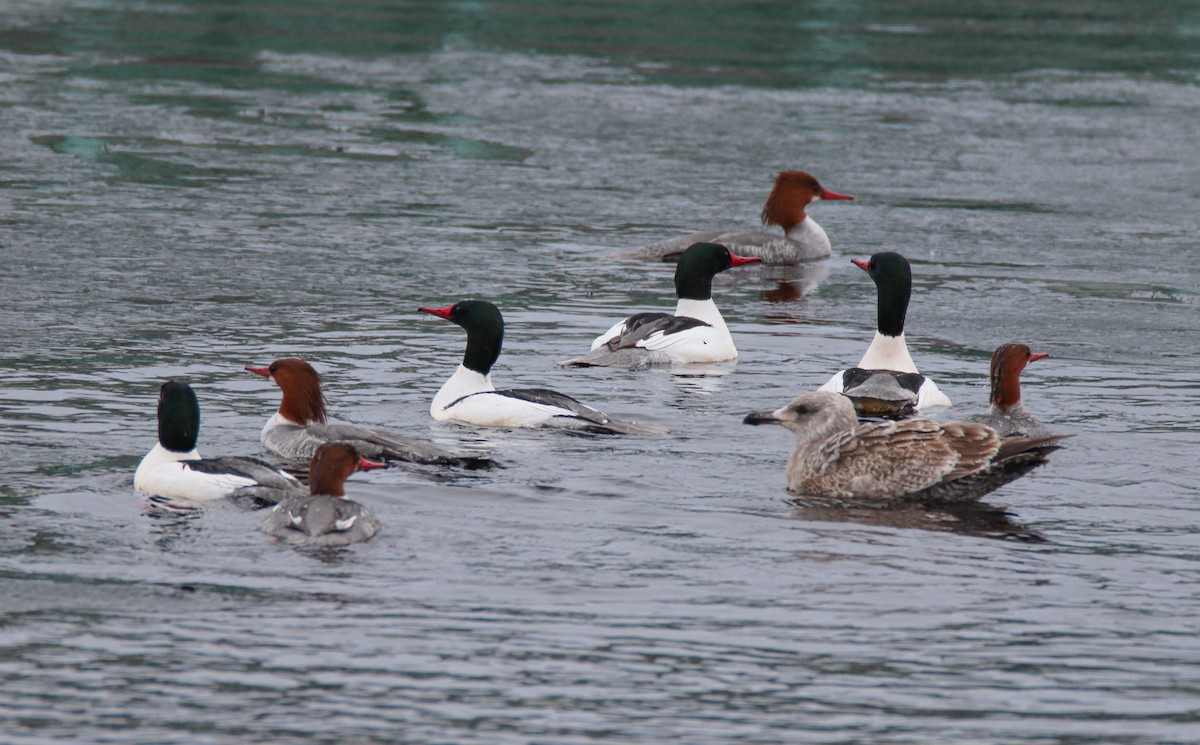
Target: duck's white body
709	342
178	475
695	334
470	398
284	437
889	354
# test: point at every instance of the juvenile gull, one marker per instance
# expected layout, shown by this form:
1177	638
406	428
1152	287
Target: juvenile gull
896	462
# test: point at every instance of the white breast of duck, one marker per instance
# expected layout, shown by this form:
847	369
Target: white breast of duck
291	440
696	332
888	355
166	473
175	469
469	396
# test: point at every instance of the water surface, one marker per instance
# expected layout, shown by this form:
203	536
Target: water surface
191	187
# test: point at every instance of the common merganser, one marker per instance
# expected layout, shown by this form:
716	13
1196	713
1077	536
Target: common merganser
696	333
175	470
469	396
802	240
324	517
1007	415
299	426
891	462
886	382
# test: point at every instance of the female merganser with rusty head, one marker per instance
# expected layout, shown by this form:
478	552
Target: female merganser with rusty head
802	240
695	333
469	396
173	469
324	517
890	463
886	382
299	426
1006	415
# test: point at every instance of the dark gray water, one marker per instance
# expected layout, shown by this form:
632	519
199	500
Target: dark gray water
189	187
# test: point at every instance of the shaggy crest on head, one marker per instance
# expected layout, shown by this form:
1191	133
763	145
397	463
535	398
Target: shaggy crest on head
1006	414
786	206
303	400
1007	363
792	193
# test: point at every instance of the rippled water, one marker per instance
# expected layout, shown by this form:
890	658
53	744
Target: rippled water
191	187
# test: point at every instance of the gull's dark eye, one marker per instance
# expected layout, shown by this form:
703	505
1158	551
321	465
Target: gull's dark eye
801	409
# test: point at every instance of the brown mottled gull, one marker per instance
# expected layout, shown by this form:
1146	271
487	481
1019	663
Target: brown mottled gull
882	463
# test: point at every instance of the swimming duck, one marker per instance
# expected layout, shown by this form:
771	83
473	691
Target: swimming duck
300	426
695	333
886	381
469	396
1007	415
325	517
802	240
175	470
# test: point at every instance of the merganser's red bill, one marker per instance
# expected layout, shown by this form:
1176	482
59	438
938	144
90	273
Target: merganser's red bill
439	312
263	371
827	194
1034	356
367	465
861	264
739	260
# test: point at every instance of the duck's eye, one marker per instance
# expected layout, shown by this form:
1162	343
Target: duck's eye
273	368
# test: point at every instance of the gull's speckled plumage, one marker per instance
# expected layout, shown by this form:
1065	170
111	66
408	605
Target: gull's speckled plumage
880	463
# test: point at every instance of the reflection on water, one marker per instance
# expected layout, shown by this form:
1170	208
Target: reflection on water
171	521
978	519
